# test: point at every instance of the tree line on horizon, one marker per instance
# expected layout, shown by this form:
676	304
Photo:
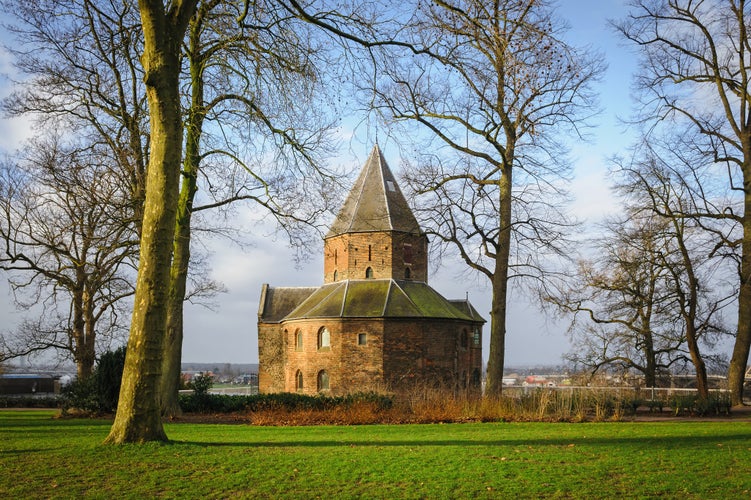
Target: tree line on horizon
154	121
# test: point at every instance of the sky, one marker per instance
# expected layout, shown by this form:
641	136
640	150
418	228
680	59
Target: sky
228	333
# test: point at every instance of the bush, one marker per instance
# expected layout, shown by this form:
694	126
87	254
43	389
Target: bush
29	402
107	377
715	404
202	402
98	393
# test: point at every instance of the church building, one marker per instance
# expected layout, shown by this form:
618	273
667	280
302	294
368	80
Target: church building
375	322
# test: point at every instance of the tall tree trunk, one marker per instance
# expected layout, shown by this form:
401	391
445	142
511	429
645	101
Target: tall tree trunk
650	365
739	359
83	356
689	305
701	369
173	344
498	308
138	417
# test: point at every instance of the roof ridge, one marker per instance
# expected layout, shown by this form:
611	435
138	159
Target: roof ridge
375	202
404	292
386	204
344	298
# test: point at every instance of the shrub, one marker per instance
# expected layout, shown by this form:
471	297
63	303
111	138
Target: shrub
107	377
99	392
203	402
29	402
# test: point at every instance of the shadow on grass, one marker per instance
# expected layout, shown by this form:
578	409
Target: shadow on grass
666	441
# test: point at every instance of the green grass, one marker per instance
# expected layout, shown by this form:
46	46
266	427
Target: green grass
42	457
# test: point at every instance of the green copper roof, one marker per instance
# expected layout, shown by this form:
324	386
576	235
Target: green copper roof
378	299
375	202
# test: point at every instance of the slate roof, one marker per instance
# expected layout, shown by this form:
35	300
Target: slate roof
370	298
375	202
277	302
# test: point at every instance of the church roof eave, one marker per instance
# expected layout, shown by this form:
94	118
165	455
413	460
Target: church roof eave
373	298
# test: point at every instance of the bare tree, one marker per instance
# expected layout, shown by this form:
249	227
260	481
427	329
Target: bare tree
497	90
69	240
695	75
81	75
618	302
652	299
251	67
676	193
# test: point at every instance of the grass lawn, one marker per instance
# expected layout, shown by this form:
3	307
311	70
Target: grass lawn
42	457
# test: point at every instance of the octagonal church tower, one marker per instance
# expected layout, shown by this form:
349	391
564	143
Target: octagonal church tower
375	323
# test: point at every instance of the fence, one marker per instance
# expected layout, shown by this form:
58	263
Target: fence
646	393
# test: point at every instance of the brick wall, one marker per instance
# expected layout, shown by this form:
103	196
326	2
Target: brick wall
388	254
351	367
271	358
430	352
397	353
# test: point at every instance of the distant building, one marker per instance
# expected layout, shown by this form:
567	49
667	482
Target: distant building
28	384
375	322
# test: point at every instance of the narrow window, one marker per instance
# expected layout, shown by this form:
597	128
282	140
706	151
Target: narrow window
298	340
336	275
476	337
475	381
407	273
362	338
336	256
298	381
370	253
369	272
407	251
323	381
324	338
464	339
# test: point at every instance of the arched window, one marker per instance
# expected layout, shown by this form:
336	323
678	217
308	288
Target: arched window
476	337
336	275
298	381
407	273
369	272
323	381
324	338
298	340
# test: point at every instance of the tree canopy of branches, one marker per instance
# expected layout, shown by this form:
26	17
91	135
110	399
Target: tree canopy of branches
245	72
69	241
694	75
81	78
85	95
249	68
621	315
496	89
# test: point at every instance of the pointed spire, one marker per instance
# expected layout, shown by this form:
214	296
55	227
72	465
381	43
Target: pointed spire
375	202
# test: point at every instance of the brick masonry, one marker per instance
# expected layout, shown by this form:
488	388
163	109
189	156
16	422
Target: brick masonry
397	354
388	254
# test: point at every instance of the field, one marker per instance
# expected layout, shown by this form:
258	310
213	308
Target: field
42	457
